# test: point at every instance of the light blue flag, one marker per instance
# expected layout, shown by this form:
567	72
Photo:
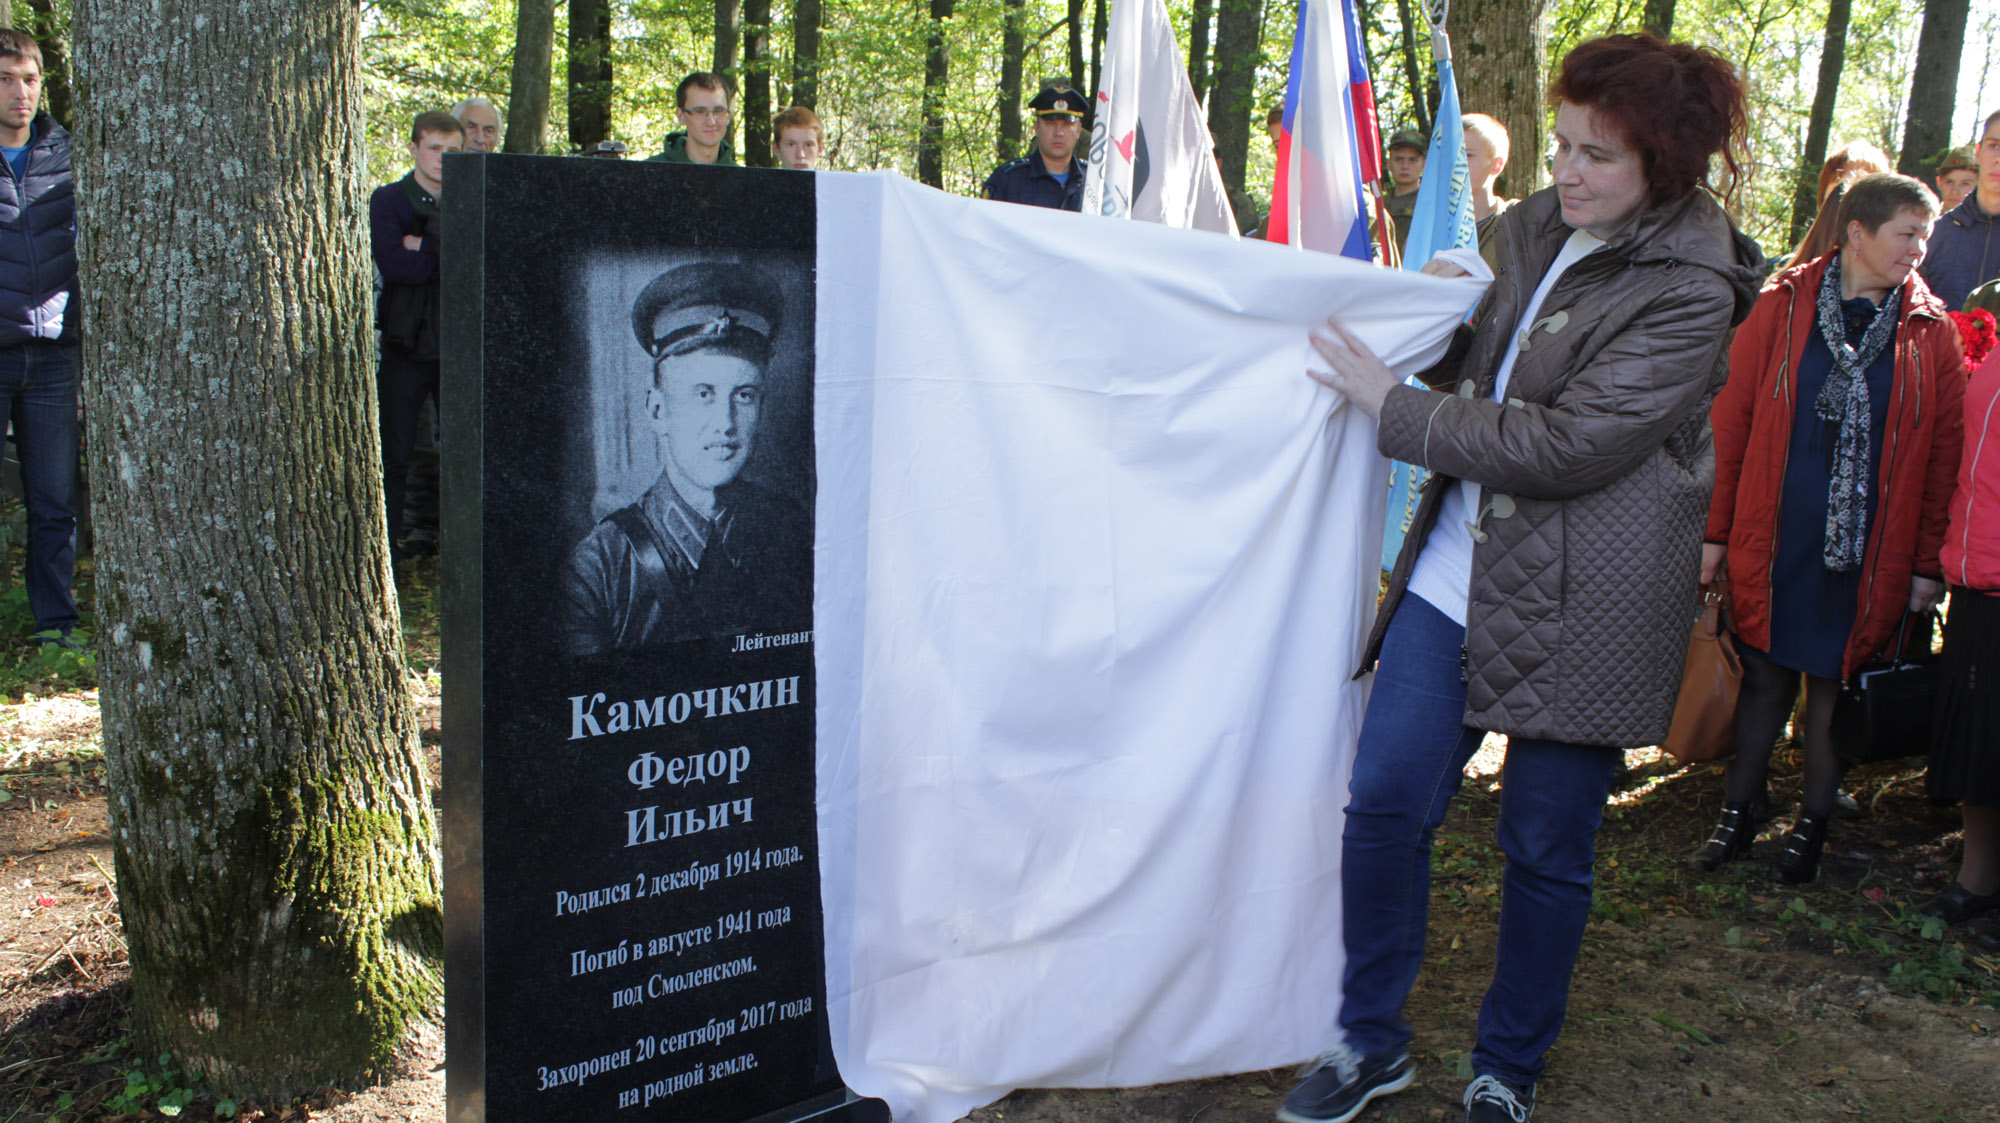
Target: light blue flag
1442	219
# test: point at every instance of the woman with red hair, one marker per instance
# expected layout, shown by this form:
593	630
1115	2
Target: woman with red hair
1546	585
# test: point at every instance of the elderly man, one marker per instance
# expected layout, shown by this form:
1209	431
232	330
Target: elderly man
703	553
481	122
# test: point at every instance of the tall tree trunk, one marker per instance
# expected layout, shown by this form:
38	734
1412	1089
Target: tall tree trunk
528	91
1013	46
728	36
277	861
1097	33
1832	54
1413	72
728	41
1198	22
1076	60
756	85
937	71
1659	18
1934	97
47	28
805	53
1497	49
1233	96
589	73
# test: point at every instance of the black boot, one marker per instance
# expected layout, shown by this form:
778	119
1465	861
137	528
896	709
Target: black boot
1800	861
1731	839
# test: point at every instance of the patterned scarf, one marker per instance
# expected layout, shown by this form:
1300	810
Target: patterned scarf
1844	398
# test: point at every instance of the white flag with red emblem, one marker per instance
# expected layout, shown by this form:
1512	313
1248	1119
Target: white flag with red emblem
1151	157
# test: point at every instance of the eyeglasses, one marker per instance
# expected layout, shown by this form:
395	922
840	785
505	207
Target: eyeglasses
719	112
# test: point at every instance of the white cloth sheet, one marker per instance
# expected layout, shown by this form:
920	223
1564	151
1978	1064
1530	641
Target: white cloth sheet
1090	591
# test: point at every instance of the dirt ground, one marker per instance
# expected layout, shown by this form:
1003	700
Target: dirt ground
1723	997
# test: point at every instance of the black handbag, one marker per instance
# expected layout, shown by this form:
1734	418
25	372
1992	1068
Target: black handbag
1884	711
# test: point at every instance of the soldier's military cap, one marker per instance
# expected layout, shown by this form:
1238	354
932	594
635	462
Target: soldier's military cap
710	305
1059	101
1408	138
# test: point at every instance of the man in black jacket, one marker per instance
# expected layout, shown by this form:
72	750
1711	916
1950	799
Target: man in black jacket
403	229
39	308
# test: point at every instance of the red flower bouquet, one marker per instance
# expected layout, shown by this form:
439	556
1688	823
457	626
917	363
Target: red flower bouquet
1977	332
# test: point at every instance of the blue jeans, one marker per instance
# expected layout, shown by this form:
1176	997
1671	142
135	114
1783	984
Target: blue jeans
1408	765
38	402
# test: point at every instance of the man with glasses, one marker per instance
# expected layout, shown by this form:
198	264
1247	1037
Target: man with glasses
1050	175
703	112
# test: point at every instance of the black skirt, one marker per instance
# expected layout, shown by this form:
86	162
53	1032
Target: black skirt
1965	727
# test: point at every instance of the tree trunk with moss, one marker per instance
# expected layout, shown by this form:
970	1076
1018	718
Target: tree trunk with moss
277	858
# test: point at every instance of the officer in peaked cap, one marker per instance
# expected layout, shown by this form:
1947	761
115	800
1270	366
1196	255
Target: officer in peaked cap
1050	175
703	552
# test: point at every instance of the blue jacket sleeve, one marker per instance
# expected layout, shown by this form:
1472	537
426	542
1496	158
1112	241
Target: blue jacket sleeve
390	217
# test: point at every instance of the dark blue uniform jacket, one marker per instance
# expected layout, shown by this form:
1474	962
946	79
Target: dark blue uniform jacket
1026	181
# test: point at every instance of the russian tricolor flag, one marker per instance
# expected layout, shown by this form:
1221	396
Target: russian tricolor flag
1329	146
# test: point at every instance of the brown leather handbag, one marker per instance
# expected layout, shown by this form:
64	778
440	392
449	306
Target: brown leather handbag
1704	726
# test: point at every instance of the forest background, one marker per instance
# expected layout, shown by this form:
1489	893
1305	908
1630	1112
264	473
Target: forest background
220	150
934	88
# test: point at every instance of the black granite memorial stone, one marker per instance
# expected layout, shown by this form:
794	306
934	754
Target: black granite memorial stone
632	890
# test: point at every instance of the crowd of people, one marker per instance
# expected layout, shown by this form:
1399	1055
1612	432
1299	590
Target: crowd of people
1642	404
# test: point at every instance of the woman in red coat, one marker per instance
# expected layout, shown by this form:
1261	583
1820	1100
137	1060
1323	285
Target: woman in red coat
1965	729
1836	442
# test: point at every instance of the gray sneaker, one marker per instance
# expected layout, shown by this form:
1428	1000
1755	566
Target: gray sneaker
1342	1082
1490	1099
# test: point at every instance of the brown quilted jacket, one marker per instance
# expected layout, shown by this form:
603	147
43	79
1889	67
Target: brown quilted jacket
1582	596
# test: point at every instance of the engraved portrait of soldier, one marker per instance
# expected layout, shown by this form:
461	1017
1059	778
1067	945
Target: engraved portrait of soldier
703	551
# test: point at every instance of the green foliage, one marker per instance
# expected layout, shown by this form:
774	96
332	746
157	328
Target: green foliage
426	54
1777	44
157	1087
